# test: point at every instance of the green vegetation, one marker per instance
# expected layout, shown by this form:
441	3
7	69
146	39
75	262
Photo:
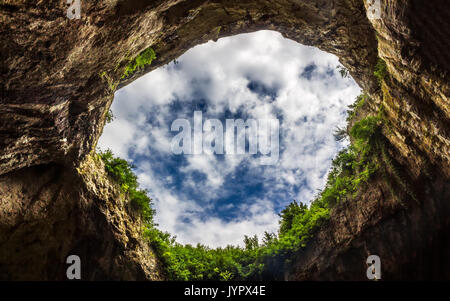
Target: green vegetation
186	262
255	261
365	133
380	70
268	258
121	171
109	116
343	71
111	84
353	109
356	106
143	59
340	134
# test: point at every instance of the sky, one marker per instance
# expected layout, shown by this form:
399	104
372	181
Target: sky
216	199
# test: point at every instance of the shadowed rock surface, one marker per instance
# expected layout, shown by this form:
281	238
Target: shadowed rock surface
50	212
57	82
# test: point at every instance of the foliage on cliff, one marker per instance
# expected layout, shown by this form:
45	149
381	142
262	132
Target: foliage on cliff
144	58
380	70
121	171
356	106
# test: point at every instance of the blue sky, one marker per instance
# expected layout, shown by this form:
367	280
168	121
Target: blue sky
217	199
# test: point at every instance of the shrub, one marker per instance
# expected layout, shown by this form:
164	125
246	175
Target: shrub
109	116
288	214
366	132
340	134
186	262
380	70
343	71
354	108
121	171
143	59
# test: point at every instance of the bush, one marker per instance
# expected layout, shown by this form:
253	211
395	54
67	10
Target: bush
144	58
288	214
380	70
109	116
356	106
186	262
366	133
343	71
121	171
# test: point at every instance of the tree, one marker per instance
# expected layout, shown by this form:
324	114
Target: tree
268	238
251	242
287	215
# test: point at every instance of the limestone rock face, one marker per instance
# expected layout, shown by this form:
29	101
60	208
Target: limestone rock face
57	82
49	213
54	99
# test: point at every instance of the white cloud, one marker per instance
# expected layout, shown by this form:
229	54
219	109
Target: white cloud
215	232
118	136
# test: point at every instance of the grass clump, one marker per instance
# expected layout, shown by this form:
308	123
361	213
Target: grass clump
380	71
143	59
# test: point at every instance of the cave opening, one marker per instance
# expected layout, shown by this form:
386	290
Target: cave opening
216	199
57	198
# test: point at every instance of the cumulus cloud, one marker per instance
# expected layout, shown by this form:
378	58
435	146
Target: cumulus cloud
216	199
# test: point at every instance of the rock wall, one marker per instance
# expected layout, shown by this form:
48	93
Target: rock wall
49	212
411	235
57	81
54	99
